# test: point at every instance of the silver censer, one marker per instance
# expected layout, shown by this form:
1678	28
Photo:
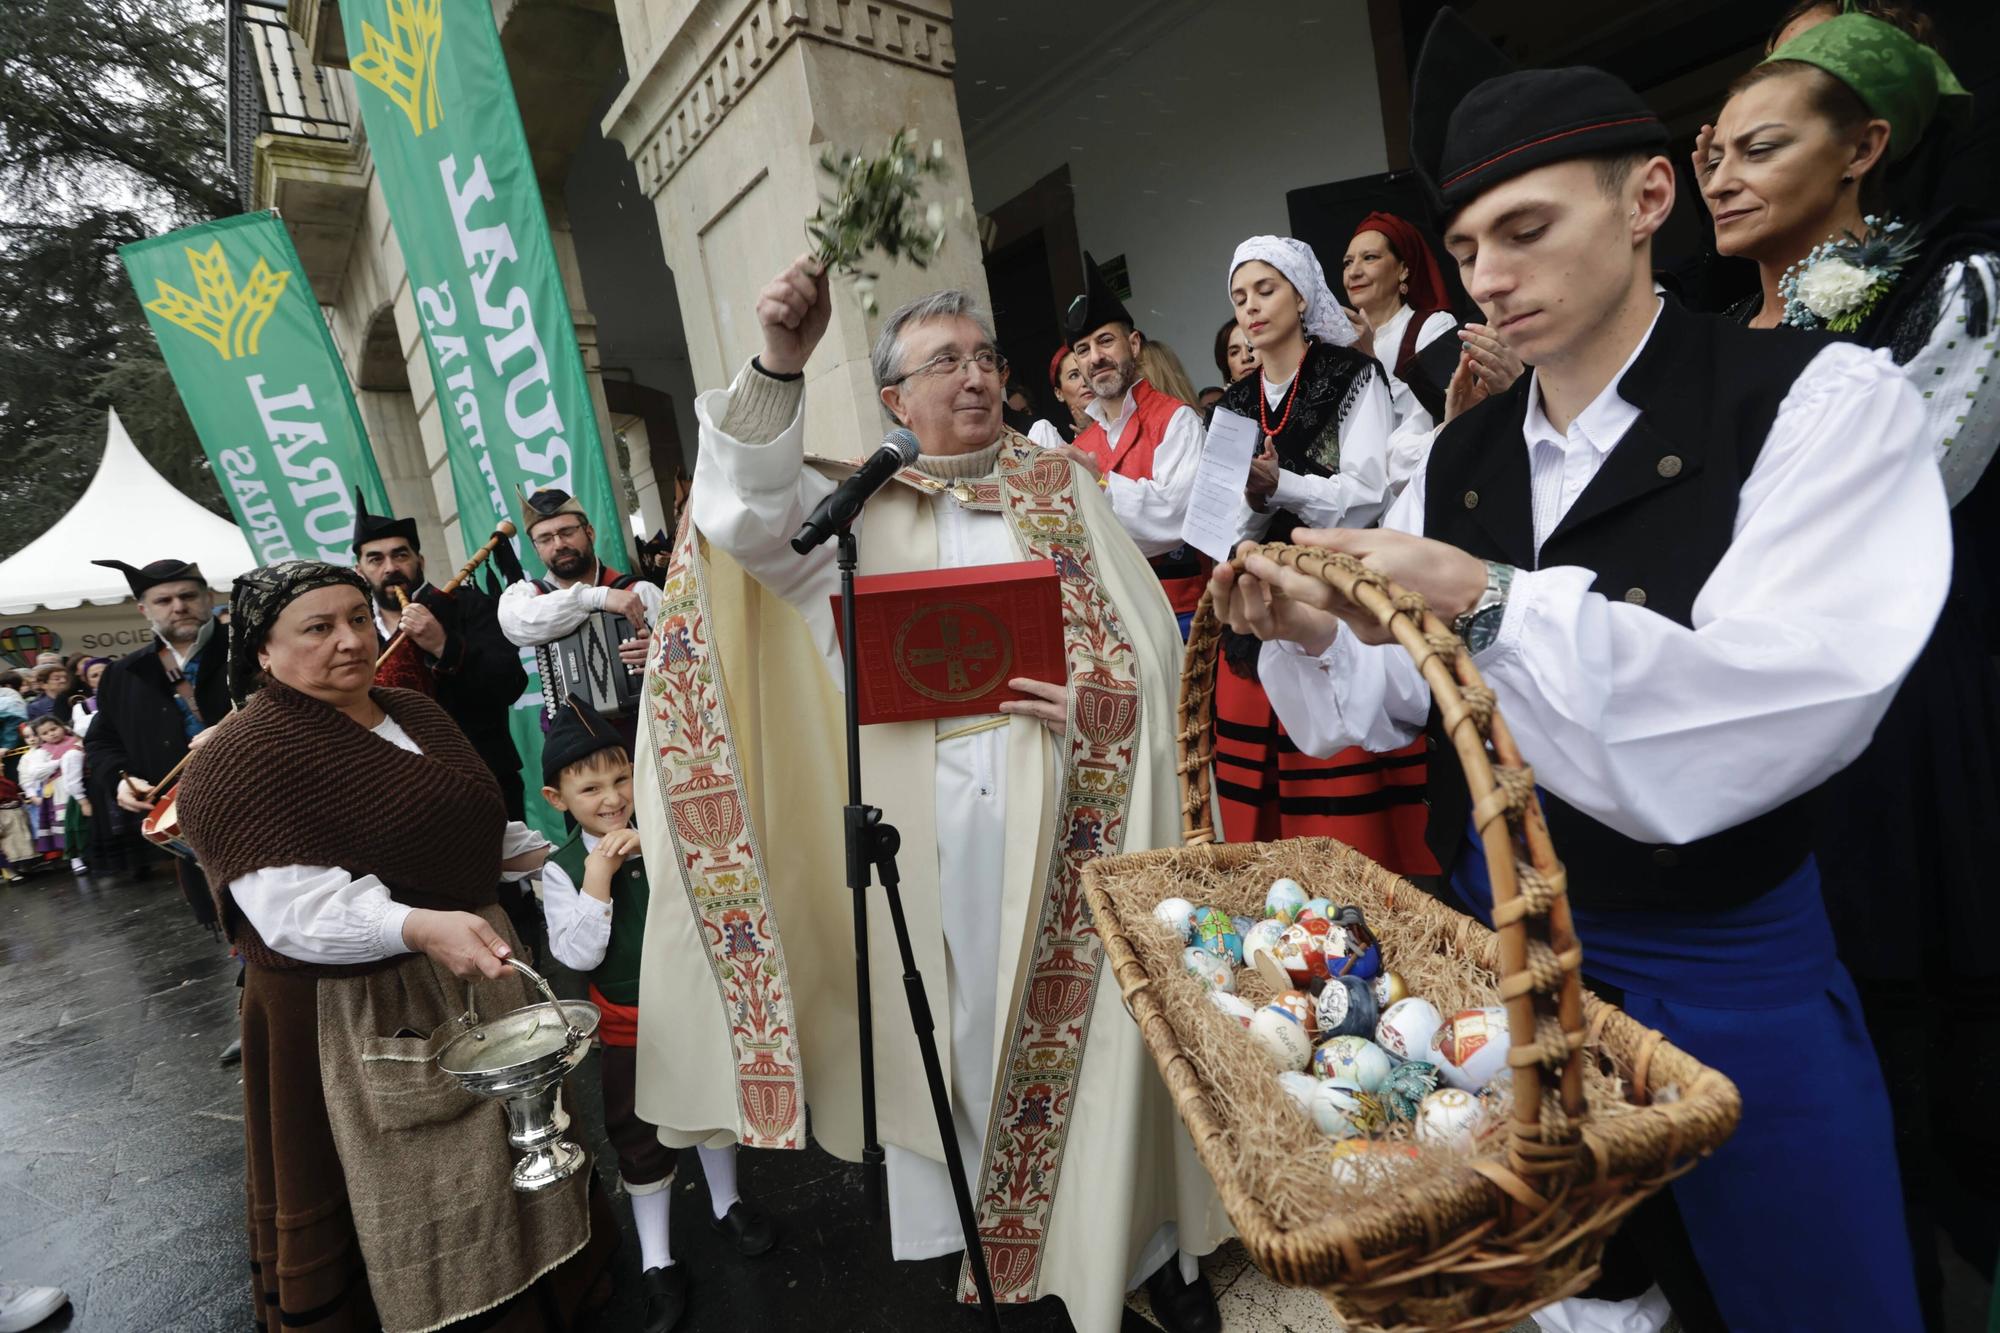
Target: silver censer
521	1058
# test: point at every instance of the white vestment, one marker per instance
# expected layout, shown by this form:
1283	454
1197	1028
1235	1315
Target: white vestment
974	855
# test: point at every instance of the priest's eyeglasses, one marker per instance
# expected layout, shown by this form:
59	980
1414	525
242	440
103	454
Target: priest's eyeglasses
946	364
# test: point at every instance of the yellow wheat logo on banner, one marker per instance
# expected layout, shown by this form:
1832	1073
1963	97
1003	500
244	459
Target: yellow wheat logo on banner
404	64
226	317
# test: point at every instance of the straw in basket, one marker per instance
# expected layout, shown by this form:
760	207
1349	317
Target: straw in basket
1604	1110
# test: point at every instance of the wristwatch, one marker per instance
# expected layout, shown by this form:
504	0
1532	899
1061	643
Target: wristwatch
1480	625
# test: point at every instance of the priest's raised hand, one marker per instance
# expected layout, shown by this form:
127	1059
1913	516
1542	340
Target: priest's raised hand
792	310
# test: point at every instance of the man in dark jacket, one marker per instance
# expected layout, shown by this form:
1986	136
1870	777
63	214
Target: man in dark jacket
454	650
155	699
150	704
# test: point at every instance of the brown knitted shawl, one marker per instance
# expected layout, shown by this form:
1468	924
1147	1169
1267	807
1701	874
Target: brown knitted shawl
290	780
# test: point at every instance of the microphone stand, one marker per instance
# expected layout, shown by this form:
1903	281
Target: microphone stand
871	847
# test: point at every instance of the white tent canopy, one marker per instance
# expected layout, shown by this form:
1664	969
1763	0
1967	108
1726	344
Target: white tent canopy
129	512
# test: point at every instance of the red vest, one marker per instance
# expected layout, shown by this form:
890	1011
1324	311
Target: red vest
1183	572
1134	455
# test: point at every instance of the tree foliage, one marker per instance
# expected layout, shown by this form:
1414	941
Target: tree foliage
112	129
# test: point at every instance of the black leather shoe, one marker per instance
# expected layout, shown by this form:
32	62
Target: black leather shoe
232	1054
666	1297
1182	1307
749	1227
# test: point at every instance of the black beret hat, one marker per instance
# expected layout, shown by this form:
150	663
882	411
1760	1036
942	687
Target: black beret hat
1476	121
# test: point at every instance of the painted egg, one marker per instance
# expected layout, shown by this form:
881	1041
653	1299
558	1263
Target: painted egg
1233	1005
1300	1088
1472	1048
1215	932
1406	1087
1211	970
1282	1038
1242	924
1369	1161
1316	907
1335	1110
1389	988
1301	951
1300	1006
1176	914
1355	1061
1407	1026
1450	1118
1284	900
1346	1008
1262	938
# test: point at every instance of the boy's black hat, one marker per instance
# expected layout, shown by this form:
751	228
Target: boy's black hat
576	734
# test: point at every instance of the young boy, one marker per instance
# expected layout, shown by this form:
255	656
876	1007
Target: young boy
594	895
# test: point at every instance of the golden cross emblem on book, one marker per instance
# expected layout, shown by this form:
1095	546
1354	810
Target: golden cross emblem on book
956	636
404	64
227	317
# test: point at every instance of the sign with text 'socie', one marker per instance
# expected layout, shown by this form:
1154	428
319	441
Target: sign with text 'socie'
256	367
452	157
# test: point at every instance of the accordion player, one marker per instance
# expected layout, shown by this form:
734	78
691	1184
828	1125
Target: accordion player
585	664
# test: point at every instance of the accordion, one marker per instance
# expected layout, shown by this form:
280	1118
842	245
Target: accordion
584	663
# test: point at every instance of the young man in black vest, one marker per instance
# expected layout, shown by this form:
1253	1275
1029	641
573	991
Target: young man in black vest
1694	563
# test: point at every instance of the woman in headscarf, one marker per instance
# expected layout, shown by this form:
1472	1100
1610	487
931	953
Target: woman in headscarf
1910	837
1327	418
355	839
1393	279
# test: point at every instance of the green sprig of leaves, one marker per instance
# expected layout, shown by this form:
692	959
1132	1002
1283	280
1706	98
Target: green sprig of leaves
876	207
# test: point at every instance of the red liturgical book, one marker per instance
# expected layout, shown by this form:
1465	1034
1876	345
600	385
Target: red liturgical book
945	642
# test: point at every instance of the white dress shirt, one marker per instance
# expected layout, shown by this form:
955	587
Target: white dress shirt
1152	509
579	925
1044	433
530	617
1839	563
323	914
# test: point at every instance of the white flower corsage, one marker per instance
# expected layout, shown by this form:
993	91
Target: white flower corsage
1838	284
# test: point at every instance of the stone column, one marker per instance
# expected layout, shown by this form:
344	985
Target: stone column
728	109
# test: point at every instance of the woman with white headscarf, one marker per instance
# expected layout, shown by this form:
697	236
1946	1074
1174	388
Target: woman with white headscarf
1330	459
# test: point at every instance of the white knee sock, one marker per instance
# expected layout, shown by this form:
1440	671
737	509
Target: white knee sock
719	1165
649	1213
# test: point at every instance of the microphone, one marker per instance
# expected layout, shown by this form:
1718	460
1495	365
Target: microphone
898	450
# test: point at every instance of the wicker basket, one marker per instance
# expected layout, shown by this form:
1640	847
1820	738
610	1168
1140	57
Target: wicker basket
1523	1222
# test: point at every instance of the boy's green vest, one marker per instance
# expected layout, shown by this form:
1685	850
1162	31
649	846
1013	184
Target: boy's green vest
618	975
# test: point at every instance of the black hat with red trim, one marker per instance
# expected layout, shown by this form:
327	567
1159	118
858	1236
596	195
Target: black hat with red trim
1476	121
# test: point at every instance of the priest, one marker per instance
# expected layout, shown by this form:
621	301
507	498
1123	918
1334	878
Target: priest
1666	550
1082	1180
453	649
1142	444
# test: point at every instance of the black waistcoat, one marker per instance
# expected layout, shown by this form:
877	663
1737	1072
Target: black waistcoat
1652	525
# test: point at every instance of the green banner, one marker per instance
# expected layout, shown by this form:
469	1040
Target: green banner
255	364
453	162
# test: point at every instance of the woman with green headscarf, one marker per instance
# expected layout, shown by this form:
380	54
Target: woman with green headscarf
1910	847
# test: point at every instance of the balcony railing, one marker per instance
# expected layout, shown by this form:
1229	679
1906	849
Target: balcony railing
274	88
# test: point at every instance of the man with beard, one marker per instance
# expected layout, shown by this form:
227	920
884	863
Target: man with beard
538	611
151	704
1142	445
455	651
